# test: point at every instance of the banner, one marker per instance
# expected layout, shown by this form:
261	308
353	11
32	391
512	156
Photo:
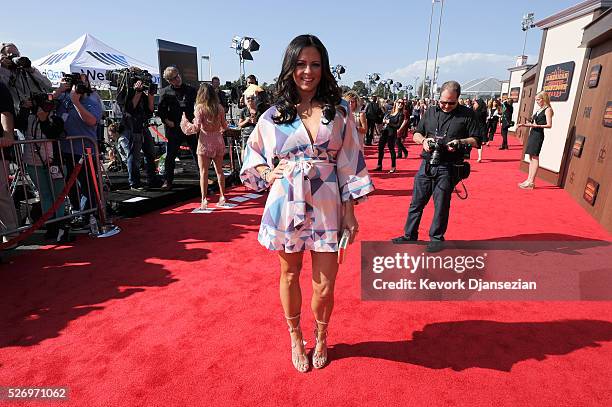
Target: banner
558	80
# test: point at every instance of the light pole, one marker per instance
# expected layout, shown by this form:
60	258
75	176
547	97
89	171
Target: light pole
433	2
372	79
435	75
526	24
416	79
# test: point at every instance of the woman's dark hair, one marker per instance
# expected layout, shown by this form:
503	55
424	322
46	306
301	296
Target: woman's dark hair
287	96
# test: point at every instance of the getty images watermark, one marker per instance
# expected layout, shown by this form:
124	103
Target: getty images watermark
487	271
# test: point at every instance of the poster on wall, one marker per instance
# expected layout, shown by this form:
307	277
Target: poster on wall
558	80
578	146
590	191
515	93
594	76
607	117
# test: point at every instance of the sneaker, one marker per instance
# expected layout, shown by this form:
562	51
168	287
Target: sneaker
404	240
166	186
137	188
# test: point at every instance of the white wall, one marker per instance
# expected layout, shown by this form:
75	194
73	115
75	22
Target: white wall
562	45
515	82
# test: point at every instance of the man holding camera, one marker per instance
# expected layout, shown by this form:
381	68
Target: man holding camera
8	214
80	108
445	132
22	79
176	99
137	106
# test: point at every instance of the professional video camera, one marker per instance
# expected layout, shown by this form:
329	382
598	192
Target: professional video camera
43	100
127	77
74	79
18	62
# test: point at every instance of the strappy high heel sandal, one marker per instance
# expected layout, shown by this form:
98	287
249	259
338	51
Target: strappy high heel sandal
204	204
299	360
319	358
221	202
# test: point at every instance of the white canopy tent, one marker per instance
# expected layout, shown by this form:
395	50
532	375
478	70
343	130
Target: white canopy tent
90	56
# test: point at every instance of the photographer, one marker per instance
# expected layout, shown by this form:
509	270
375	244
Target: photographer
506	121
37	121
176	99
80	109
20	76
137	106
444	132
8	214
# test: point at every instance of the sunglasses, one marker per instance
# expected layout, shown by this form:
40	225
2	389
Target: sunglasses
442	102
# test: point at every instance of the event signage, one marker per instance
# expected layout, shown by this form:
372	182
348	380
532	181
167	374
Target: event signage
607	117
558	80
515	93
590	191
578	146
594	76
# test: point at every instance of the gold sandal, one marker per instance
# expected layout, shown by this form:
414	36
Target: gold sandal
319	358
299	360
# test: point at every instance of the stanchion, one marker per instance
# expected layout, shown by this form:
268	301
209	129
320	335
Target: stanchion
106	229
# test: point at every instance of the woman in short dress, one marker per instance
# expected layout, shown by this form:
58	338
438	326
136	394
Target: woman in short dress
320	175
356	109
209	123
542	119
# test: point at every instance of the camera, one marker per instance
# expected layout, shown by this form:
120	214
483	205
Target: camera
436	147
19	62
128	77
44	101
74	79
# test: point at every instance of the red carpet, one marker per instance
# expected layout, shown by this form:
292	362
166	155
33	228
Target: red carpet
182	310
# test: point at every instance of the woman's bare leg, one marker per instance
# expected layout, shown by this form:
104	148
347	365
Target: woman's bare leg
324	272
218	162
291	296
203	163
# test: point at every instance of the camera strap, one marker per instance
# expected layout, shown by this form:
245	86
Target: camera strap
456	191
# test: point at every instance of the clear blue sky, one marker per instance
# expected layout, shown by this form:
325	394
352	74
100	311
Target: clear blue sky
478	37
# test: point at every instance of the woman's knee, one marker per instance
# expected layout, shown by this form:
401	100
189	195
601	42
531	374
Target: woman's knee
323	291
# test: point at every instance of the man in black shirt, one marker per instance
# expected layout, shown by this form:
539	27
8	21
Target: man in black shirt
137	108
506	122
176	99
449	125
216	83
8	214
374	114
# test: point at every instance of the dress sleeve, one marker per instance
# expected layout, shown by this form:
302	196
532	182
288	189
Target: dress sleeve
258	151
353	178
192	128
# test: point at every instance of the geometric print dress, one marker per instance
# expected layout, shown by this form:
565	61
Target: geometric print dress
304	208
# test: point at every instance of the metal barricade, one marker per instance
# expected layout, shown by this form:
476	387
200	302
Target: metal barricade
53	181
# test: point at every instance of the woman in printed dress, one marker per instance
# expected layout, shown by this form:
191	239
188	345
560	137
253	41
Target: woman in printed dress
320	175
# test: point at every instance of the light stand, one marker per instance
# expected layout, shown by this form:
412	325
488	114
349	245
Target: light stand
337	71
526	24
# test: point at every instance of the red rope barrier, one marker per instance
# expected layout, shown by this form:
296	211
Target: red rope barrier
58	201
161	136
95	182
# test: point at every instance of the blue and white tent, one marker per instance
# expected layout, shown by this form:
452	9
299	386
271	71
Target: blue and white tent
90	56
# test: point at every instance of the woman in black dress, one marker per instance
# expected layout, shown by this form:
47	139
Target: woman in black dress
480	115
392	123
542	119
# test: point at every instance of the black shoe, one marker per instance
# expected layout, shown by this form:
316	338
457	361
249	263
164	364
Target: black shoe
379	168
404	240
435	246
